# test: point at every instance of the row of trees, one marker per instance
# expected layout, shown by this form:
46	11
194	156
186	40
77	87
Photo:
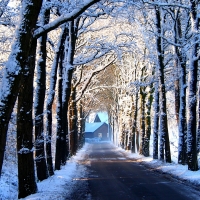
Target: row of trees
169	48
121	57
162	61
28	61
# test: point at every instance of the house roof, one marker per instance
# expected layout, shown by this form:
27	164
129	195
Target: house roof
103	117
97	119
91	127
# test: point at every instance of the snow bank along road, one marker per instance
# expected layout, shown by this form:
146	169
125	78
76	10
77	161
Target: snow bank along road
112	176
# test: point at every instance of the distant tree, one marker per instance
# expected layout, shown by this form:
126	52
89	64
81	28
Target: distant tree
146	148
135	134
81	127
73	123
156	118
142	111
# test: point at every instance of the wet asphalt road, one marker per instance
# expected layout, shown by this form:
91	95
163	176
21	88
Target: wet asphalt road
112	176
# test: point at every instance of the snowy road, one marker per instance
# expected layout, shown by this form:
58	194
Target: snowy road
112	176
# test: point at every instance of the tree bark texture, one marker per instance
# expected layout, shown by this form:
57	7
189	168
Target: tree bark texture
41	165
148	123
26	170
164	135
193	71
18	60
50	99
73	124
68	71
142	119
182	144
156	121
59	138
80	133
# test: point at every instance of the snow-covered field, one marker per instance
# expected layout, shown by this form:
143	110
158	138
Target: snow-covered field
60	185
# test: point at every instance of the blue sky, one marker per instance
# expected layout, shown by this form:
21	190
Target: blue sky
102	115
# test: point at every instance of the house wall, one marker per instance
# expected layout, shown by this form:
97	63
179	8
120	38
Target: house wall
104	131
89	135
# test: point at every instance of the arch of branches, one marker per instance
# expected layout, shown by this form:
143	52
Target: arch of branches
136	60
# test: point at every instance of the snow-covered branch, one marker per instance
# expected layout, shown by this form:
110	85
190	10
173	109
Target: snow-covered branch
96	55
167	4
92	75
64	18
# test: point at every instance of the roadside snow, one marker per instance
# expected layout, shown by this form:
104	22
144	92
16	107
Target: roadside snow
8	181
177	170
57	186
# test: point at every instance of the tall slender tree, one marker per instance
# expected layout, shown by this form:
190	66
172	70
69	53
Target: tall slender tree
164	135
26	170
41	166
68	71
142	112
148	121
50	98
59	138
192	87
181	57
156	119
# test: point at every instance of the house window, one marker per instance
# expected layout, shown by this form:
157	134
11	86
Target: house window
107	134
100	135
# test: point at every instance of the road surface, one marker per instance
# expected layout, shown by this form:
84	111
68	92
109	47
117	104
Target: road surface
113	176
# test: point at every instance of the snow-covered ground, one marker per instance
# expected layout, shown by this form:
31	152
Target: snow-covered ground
56	187
61	184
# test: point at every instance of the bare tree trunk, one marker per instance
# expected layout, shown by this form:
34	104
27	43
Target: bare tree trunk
26	171
193	71
68	71
65	105
142	120
142	114
182	145
41	166
156	121
198	129
83	126
177	93
182	148
148	122
177	30
73	124
59	137
164	135
50	99
113	129
122	134
80	125
134	126
18	61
